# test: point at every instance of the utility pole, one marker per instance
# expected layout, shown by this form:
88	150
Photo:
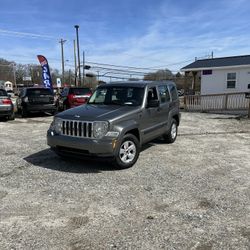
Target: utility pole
83	66
14	75
78	54
62	42
76	83
69	77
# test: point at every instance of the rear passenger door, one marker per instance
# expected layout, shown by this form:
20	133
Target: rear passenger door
164	104
150	121
174	98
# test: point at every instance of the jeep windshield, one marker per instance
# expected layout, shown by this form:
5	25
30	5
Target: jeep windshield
117	95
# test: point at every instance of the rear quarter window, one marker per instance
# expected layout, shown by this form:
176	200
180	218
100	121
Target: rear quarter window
164	93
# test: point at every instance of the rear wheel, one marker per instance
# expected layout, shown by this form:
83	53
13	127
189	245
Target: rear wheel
171	135
12	116
128	152
24	112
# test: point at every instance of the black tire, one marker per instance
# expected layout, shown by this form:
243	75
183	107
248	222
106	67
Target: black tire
12	116
24	112
171	135
127	152
53	112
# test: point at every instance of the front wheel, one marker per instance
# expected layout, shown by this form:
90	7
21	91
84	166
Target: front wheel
12	116
171	135
128	152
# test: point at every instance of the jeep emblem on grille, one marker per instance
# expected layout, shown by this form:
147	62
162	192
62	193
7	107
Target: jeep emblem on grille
77	116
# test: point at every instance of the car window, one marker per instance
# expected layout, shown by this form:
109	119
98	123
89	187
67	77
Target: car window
38	92
164	93
3	92
79	91
152	94
22	91
173	92
64	92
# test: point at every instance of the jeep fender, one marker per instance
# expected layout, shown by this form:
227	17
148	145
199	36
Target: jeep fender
125	126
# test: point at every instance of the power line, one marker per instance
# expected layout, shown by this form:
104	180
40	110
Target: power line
25	34
140	68
118	66
119	70
100	65
172	64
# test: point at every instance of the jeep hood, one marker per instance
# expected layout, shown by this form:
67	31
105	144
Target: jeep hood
90	112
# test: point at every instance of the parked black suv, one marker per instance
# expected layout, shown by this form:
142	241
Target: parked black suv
35	99
117	120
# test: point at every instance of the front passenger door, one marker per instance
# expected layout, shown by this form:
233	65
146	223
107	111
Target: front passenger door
150	117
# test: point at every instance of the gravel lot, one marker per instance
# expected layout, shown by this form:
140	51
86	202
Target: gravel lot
193	194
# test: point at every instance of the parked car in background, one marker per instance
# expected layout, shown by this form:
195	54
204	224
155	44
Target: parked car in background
35	99
10	93
6	106
73	97
13	98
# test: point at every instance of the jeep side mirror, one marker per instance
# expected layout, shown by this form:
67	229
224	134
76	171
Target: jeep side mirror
153	104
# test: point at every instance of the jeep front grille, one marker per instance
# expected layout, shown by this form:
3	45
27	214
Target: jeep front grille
77	128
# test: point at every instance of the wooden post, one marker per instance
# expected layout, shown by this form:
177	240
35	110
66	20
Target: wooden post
194	73
185	102
226	101
185	82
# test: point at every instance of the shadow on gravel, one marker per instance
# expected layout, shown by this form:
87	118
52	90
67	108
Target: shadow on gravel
3	119
239	117
48	159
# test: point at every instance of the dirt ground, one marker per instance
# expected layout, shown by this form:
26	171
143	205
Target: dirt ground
193	194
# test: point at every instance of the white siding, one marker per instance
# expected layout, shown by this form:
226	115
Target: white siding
217	82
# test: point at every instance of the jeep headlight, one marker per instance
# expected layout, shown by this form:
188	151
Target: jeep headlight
100	128
57	125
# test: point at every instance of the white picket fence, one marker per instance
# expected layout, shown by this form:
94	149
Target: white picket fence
220	102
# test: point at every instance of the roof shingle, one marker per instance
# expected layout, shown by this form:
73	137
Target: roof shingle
219	62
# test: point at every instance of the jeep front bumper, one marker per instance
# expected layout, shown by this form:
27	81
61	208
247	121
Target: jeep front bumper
67	145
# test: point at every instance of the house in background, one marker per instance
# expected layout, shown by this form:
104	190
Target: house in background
220	75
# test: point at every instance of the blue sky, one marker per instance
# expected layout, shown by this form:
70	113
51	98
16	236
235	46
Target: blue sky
140	33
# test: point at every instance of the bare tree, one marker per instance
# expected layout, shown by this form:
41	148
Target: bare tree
6	70
159	75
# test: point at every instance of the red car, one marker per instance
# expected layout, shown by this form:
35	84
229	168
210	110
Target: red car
73	97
